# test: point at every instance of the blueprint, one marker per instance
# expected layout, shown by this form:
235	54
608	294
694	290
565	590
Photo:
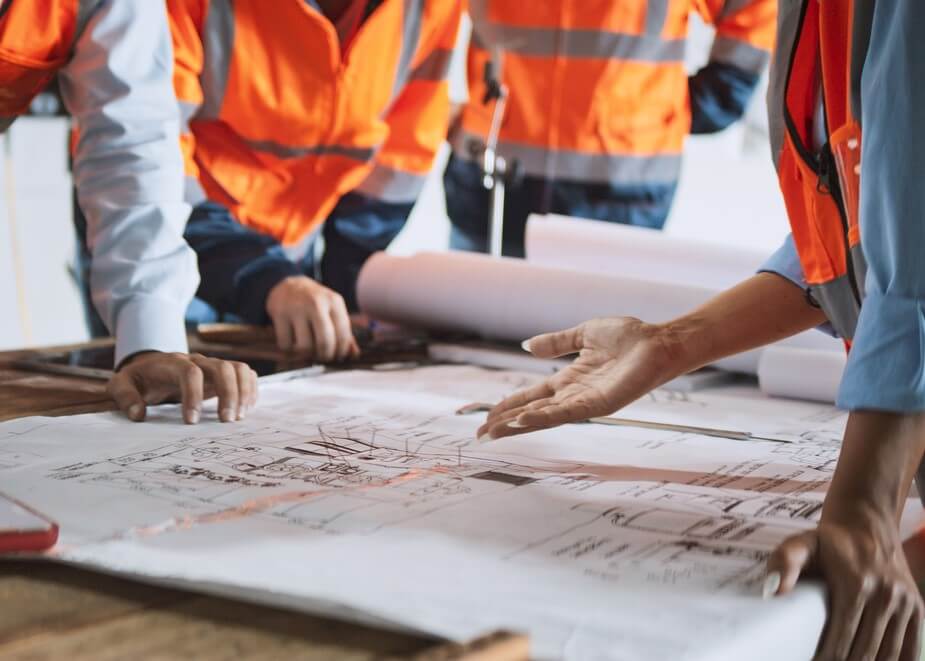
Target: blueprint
364	494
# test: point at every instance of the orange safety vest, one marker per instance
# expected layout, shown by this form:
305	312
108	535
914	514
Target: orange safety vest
821	185
37	38
599	89
281	123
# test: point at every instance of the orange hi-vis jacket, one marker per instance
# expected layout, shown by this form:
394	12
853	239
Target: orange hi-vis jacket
599	89
818	148
282	122
36	41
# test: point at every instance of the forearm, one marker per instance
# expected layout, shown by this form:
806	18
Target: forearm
761	310
719	94
238	266
128	174
879	457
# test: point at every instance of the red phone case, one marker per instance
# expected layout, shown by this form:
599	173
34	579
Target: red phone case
23	540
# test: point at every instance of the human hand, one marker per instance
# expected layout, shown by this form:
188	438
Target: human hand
619	360
311	319
153	377
875	609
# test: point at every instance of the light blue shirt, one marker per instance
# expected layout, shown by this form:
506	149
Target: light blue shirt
886	366
128	170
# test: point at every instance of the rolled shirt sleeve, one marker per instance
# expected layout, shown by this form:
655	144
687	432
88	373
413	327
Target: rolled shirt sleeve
785	262
887	360
128	171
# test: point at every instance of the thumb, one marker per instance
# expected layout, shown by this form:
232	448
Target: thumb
124	391
554	345
788	562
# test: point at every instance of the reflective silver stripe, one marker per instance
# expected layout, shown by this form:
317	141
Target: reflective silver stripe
656	15
860	42
788	19
837	300
860	269
547	42
410	37
434	67
218	47
739	54
193	193
286	151
188	110
732	7
392	186
576	166
6	122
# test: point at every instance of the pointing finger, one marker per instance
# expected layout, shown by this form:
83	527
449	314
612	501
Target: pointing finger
554	345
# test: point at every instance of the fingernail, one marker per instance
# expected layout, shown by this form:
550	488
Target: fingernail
513	424
771	585
227	415
242	413
525	345
484	438
194	416
135	411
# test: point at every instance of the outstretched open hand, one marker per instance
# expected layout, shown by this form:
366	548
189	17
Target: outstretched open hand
619	360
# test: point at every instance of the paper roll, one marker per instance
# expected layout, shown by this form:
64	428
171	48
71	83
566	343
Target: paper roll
801	373
636	252
507	299
511	300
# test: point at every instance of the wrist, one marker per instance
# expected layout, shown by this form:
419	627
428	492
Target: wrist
686	342
135	357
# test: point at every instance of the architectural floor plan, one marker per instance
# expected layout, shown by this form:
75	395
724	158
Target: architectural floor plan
365	495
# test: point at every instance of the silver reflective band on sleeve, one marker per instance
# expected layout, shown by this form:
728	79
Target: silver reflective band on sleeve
392	186
287	151
656	15
739	54
193	193
837	300
434	67
592	44
410	37
218	47
576	166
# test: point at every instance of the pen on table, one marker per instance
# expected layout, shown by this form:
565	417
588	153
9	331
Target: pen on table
648	424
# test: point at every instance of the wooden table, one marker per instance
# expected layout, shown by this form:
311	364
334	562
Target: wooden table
50	611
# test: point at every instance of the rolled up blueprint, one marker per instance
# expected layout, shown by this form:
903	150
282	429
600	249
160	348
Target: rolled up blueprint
511	300
801	373
507	299
636	252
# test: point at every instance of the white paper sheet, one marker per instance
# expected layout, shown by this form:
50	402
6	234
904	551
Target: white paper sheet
511	300
636	252
801	373
363	495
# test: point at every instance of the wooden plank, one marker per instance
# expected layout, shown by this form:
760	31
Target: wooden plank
51	599
67	613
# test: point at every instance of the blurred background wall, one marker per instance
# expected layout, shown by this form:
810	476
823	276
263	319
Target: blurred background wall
728	194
